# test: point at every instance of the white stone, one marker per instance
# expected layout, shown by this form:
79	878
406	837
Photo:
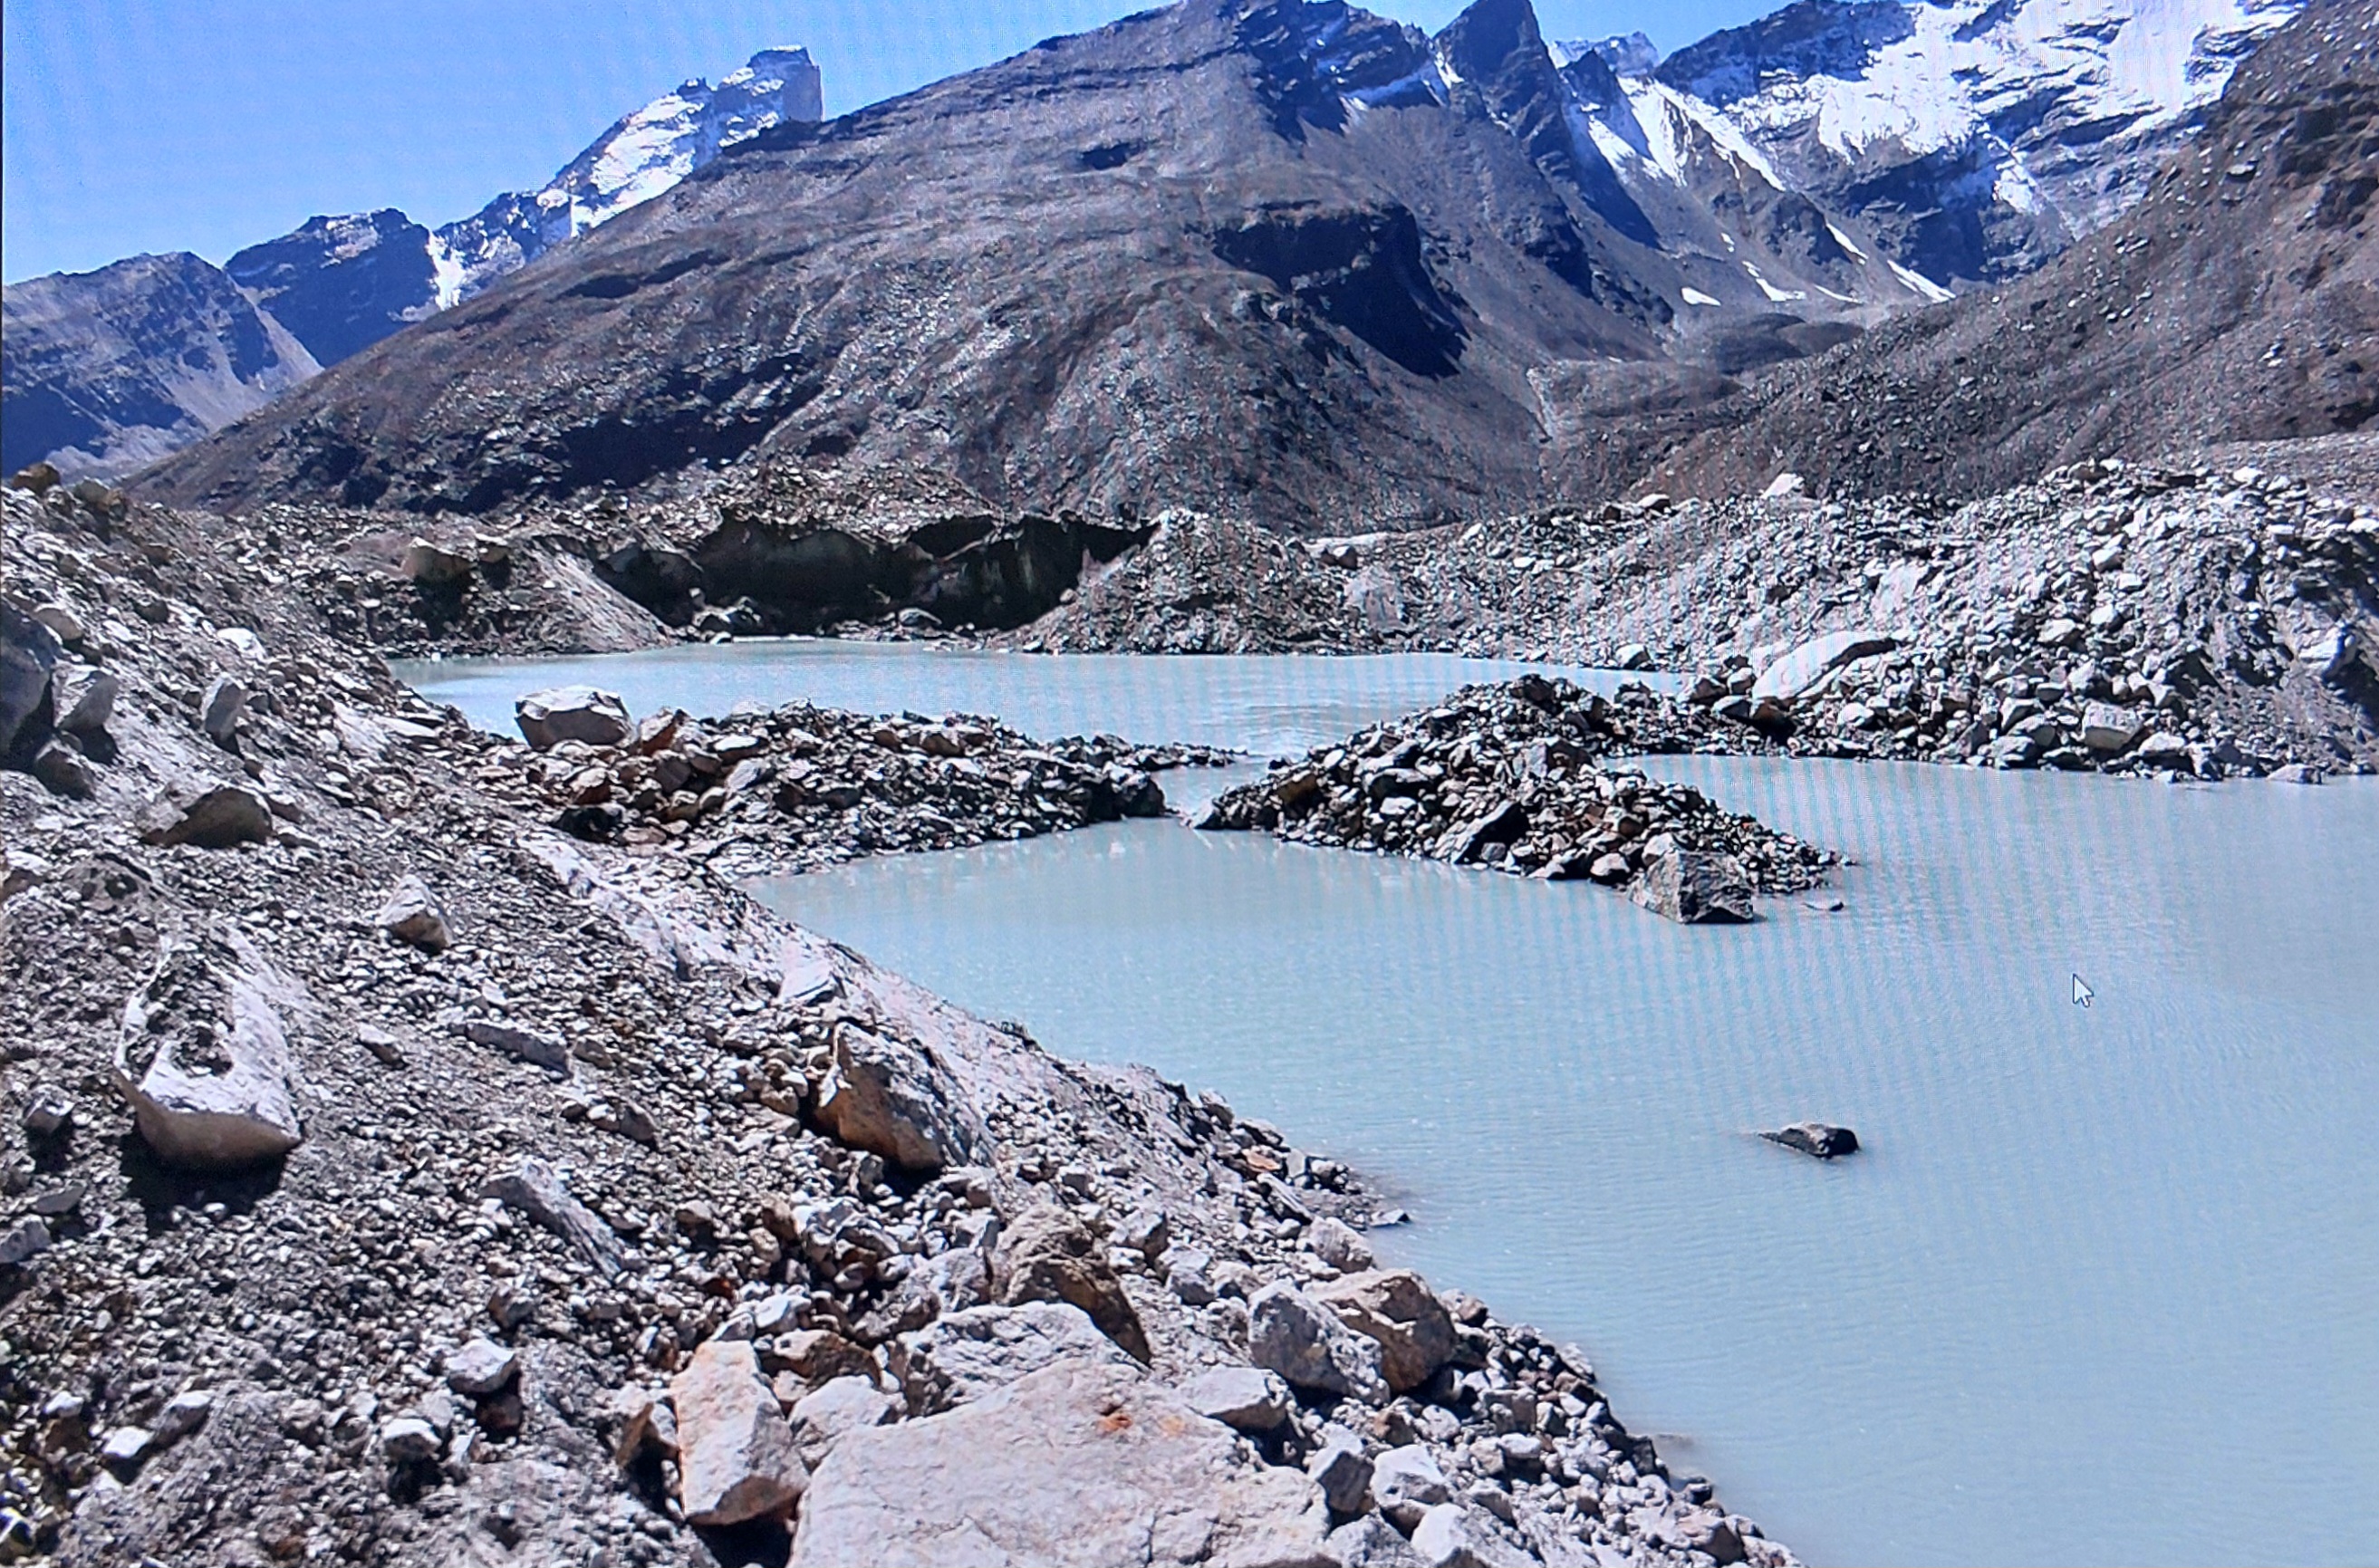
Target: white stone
736	1459
1797	671
215	1093
1081	1464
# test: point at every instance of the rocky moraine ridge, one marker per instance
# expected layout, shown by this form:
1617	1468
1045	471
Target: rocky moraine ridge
2170	619
392	1178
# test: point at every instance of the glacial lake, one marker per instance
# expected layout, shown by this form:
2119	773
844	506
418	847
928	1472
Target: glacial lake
2103	1286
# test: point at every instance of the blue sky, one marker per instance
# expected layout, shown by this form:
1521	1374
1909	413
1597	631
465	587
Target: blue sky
163	124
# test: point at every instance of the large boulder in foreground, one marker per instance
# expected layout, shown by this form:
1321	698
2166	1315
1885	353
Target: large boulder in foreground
207	819
1079	1464
735	1453
204	1053
574	713
1396	1307
1696	887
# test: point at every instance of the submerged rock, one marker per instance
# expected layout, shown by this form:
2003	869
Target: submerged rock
1820	1139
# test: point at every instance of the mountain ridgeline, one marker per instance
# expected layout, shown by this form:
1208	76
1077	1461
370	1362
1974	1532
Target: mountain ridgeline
1291	260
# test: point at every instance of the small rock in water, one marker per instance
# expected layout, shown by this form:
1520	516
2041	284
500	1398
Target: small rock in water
1817	1138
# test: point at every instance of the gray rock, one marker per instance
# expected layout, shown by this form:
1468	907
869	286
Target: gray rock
1794	674
2106	728
206	819
736	1459
843	1404
1248	1398
1081	1464
1188	1275
1456	1535
203	1054
537	1192
1816	1139
28	651
888	1097
481	1367
1370	1542
1406	1482
572	713
411	914
28	1238
964	1356
184	1414
1695	887
1339	1468
1336	1244
82	699
64	770
531	1045
408	1440
220	709
1291	1333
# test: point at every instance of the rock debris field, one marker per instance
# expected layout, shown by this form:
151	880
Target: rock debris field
408	1160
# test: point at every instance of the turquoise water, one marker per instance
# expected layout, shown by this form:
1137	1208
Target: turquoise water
2100	1288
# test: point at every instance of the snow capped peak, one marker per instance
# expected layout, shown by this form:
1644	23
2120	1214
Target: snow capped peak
1629	55
643	154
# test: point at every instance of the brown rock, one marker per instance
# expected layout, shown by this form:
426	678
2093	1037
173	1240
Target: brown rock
1396	1307
1048	1256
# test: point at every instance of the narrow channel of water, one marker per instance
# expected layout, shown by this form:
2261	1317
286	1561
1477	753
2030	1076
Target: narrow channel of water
2101	1288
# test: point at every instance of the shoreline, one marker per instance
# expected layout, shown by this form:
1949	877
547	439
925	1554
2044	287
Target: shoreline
516	1134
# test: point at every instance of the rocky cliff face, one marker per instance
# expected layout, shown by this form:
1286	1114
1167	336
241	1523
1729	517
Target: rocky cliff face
108	372
340	284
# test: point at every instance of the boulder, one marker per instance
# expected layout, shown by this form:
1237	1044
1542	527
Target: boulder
964	1356
1500	823
1291	1333
820	1356
1816	1139
1248	1398
1695	887
536	1191
531	1045
28	651
64	770
1082	1463
1048	1256
842	1404
221	707
2109	730
1339	1468
1456	1535
736	1459
203	1054
1406	1483
1395	1307
481	1367
82	699
572	713
1370	1542
888	1097
433	565
1797	671
1336	1244
206	819
411	914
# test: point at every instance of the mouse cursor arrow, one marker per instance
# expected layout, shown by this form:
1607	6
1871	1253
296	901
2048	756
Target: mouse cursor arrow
2083	995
